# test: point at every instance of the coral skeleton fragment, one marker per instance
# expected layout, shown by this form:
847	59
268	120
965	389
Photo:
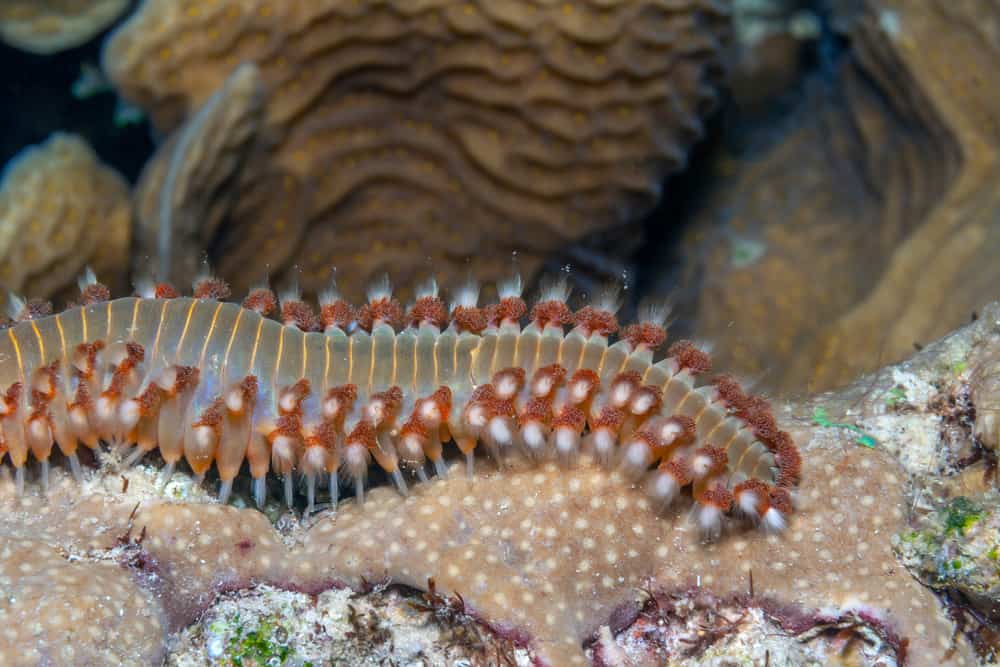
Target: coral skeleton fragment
314	398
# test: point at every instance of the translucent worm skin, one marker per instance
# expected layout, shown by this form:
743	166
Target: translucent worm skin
210	383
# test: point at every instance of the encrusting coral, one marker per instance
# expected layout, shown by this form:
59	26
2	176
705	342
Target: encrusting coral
58	611
546	555
60	210
402	135
50	26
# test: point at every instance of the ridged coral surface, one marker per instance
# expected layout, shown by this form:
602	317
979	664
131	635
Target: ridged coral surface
60	210
408	134
185	189
50	26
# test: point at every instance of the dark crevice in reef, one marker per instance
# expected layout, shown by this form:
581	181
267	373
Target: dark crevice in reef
687	623
740	131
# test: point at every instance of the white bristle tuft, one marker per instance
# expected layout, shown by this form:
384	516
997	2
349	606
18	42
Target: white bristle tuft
15	305
709	520
748	504
234	401
428	288
290	293
145	288
128	414
534	437
668	430
773	521
567	443
225	489
476	417
542	386
636	458
263	283
499	430
411	448
330	295
621	392
506	387
288	401
609	298
465	296
430	413
705	346
700	465
511	287
655	313
603	443
554	290
204	273
641	403
380	289
579	391
663	488
86	279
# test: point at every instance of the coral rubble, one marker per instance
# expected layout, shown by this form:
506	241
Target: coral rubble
339	627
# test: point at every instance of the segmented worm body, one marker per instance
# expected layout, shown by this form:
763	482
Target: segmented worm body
323	397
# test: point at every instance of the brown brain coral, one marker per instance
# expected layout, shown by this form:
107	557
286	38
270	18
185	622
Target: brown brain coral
60	210
184	192
49	26
411	134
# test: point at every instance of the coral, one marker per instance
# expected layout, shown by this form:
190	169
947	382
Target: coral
61	210
403	136
868	224
770	37
49	26
182	193
547	556
56	610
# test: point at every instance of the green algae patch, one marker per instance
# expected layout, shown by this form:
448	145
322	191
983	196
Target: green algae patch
957	548
264	645
961	515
